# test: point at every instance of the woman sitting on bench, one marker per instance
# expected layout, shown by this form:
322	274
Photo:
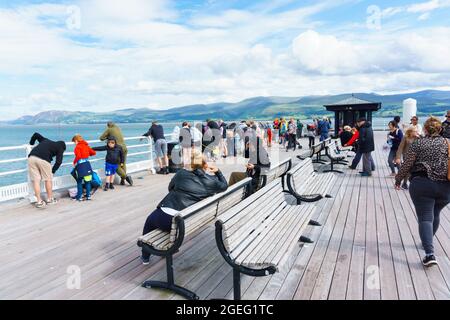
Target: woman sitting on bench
185	189
259	158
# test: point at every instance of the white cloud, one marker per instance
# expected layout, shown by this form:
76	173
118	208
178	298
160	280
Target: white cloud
427	51
142	57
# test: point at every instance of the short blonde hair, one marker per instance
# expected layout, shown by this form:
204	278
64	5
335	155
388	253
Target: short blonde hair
411	132
198	160
433	126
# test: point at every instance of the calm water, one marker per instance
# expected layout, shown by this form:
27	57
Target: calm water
19	135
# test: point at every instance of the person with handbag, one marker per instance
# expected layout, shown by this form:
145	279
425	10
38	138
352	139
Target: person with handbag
82	166
427	160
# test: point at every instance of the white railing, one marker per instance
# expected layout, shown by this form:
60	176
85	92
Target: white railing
25	190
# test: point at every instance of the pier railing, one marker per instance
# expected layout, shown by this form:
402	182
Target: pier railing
145	162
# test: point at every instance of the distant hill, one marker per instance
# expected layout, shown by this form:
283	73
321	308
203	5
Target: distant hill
429	102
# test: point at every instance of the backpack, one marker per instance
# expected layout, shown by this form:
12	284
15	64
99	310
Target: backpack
96	181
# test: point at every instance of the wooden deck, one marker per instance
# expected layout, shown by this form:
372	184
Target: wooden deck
367	248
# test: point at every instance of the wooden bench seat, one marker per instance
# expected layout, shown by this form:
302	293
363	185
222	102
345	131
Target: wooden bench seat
258	235
307	185
186	223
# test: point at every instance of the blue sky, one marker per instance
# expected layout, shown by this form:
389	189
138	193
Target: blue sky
100	55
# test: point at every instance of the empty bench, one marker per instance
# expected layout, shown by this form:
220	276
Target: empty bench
274	172
258	235
186	223
307	185
336	157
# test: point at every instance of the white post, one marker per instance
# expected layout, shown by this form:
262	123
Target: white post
152	161
31	197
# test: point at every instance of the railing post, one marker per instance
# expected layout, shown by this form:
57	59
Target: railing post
31	195
152	161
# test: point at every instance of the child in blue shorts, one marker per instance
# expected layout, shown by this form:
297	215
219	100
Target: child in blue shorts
114	159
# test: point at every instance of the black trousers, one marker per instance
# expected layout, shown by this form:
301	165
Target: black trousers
158	219
292	141
429	198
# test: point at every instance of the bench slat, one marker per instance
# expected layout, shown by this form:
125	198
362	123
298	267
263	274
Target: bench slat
268	237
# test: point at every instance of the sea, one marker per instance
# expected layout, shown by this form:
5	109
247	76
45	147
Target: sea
17	135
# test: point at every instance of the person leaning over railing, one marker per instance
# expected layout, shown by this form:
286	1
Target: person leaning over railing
427	162
39	166
185	189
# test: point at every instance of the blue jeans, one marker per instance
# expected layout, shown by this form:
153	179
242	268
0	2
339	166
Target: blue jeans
80	188
324	136
391	158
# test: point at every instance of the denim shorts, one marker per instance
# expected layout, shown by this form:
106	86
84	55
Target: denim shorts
110	169
161	148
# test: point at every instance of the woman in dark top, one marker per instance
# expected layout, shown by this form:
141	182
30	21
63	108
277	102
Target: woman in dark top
185	189
394	139
427	162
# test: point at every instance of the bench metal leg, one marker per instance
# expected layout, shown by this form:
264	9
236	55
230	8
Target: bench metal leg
314	223
237	284
170	284
305	239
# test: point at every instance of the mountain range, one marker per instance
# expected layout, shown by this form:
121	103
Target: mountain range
429	102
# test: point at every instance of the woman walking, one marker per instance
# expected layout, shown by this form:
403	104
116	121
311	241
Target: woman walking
427	162
411	135
394	139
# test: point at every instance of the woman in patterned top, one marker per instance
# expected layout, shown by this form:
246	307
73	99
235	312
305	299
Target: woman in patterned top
427	162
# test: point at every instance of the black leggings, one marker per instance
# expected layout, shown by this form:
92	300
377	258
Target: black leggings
429	198
158	219
312	141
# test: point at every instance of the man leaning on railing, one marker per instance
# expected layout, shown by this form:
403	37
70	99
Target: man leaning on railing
39	166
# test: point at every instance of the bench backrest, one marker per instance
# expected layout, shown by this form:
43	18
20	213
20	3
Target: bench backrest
275	172
333	151
317	148
297	176
241	223
198	215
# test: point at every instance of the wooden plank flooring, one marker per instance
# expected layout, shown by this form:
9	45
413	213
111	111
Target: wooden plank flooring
367	248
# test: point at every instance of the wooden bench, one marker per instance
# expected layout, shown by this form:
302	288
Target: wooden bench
258	235
186	223
276	171
340	147
336	157
306	185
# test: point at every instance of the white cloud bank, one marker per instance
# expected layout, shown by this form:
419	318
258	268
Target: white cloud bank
140	55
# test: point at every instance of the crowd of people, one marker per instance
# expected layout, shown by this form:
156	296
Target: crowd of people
415	154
